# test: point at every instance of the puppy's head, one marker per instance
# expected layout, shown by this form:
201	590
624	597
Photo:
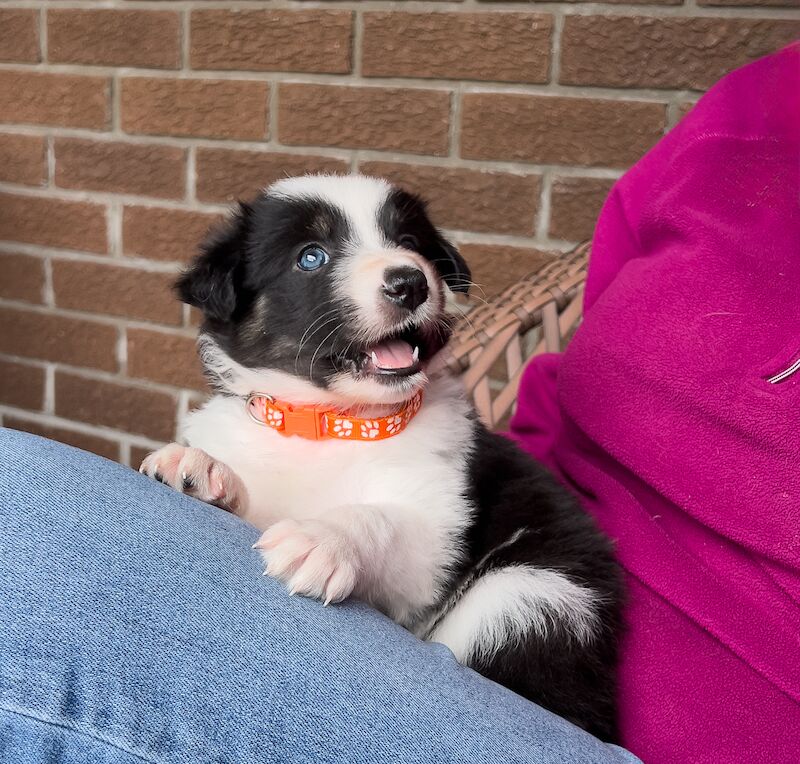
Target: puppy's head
328	283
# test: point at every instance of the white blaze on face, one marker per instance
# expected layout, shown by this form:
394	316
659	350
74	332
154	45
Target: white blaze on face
360	279
359	198
360	272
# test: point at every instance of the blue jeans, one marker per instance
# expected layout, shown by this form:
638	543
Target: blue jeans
135	626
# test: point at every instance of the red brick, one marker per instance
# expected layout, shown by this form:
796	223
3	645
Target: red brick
107	37
201	108
469	200
22	159
224	175
555	130
510	47
497	266
122	168
137	456
20	39
164	357
766	3
272	40
641	51
32	334
365	117
53	222
111	404
92	443
116	291
64	100
574	206
608	2
158	233
21	385
23	277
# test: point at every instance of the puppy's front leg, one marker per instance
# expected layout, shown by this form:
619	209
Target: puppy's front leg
193	472
328	558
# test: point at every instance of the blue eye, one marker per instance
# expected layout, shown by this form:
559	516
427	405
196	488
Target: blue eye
311	258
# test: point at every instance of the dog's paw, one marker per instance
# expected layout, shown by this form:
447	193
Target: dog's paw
312	558
193	472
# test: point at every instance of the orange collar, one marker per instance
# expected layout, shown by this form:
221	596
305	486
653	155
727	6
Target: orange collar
321	423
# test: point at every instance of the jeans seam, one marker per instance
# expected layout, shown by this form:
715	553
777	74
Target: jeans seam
28	714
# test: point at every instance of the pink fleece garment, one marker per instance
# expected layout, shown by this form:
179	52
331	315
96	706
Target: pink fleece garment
661	417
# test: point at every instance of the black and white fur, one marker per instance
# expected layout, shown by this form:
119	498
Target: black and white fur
450	530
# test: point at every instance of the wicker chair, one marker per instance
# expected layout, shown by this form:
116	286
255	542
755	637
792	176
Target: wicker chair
494	339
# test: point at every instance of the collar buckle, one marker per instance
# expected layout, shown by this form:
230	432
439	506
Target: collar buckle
307	422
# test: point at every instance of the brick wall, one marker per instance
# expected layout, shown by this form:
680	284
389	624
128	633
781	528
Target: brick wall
127	127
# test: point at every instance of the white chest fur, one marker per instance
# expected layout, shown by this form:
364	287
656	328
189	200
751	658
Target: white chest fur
418	479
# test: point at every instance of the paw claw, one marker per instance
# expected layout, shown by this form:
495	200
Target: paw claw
312	558
340	584
193	472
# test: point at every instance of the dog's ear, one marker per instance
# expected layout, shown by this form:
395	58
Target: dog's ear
452	266
213	281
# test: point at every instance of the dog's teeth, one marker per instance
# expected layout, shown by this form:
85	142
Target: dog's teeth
374	358
415	356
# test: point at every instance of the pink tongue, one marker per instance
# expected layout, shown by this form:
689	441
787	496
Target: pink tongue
394	354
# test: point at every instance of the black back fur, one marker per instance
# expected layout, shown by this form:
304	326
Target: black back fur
514	492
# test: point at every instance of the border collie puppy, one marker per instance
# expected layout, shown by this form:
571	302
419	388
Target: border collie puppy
324	302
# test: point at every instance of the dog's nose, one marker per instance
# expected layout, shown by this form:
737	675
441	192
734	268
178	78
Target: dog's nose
405	286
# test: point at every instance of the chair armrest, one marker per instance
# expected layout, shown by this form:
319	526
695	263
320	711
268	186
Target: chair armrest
494	340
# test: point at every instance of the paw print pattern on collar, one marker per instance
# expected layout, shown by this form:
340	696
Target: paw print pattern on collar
320	423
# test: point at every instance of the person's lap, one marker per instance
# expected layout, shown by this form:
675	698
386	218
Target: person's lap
135	625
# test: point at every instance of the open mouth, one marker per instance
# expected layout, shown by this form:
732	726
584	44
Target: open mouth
397	355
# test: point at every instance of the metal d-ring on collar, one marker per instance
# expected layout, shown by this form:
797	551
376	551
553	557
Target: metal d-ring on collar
250	408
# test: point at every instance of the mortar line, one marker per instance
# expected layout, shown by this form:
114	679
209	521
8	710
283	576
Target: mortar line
419	6
191	174
335	79
48	293
185	37
51	161
43	38
545	201
49	403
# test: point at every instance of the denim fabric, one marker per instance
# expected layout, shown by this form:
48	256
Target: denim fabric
135	626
